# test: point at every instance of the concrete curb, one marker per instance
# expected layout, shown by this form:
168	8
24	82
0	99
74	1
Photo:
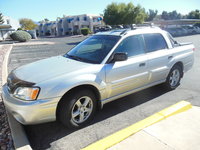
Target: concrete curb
121	135
18	134
5	65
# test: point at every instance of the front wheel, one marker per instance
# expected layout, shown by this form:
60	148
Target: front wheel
77	109
174	77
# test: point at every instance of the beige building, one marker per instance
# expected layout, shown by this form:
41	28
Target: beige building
46	28
70	25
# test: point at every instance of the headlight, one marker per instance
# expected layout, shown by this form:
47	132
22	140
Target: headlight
27	93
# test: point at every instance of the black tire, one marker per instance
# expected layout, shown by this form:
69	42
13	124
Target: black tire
168	84
68	103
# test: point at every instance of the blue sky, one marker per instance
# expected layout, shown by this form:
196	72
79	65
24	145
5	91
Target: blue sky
51	9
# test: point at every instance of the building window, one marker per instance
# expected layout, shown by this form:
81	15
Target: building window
85	18
70	20
99	19
8	21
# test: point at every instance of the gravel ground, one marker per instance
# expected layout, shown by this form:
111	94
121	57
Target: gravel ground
6	142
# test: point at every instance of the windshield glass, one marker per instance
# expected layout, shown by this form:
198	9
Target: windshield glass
94	49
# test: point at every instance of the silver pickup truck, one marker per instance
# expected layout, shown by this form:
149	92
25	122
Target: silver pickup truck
104	67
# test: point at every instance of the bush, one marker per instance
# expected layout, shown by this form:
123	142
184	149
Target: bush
21	36
85	31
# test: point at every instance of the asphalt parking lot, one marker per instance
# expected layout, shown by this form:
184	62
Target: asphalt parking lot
115	115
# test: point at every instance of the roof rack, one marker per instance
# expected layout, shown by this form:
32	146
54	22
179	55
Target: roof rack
134	26
124	32
121	31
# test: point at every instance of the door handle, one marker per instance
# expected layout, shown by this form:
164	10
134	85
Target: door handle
170	57
142	64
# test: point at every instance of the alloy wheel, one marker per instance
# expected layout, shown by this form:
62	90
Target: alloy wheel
174	78
82	109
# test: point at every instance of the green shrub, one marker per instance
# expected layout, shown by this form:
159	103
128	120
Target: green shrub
19	29
85	31
21	36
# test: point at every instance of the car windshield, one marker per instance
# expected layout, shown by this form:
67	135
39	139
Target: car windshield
94	49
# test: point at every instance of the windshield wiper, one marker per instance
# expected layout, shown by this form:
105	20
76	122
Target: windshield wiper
74	57
80	59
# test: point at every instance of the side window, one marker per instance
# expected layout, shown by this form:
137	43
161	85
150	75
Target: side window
132	45
154	42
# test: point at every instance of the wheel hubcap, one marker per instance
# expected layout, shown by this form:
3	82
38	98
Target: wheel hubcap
174	77
82	109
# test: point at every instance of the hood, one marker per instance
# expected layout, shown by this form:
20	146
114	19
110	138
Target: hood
48	68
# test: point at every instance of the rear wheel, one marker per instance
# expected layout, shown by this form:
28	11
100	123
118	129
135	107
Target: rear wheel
174	77
77	109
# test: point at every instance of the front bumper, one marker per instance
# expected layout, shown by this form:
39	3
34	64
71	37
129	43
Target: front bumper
30	112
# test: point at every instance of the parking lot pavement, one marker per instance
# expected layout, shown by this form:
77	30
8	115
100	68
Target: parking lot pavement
115	115
29	52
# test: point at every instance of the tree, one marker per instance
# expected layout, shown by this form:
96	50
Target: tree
27	24
165	15
1	19
194	14
174	15
121	13
151	14
171	15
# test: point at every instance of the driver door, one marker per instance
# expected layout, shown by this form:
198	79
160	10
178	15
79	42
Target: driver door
127	75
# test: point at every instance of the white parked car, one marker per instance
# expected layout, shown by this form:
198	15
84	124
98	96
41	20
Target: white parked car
102	68
192	29
197	29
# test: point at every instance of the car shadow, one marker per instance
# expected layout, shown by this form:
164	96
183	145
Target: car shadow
41	136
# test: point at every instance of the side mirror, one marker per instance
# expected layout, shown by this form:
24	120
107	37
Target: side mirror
120	57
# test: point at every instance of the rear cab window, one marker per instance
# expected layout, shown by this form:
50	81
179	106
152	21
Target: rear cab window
154	42
172	41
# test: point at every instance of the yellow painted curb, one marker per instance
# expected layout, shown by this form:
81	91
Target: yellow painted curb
175	109
119	136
